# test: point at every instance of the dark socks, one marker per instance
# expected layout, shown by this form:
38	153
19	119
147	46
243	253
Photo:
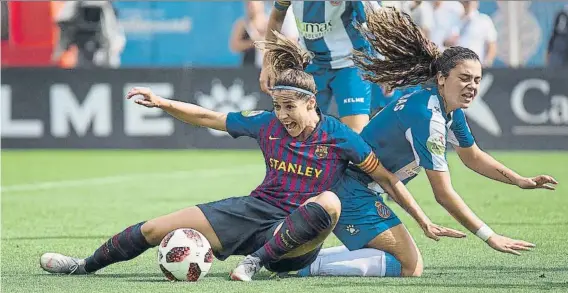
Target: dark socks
301	226
125	245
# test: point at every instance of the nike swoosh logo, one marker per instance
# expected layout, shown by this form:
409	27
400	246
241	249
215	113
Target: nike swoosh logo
273	138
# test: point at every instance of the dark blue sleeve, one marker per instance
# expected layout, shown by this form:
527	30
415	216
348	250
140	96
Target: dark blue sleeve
460	134
355	149
247	123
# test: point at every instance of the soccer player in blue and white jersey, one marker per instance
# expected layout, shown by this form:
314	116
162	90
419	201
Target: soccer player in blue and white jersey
328	31
283	222
409	135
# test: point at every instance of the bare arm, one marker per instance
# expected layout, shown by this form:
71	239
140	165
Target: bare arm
395	188
448	198
490	42
185	112
275	22
237	43
491	53
481	162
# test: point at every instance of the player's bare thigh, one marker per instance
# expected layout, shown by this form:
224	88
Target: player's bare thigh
156	229
330	202
356	122
398	242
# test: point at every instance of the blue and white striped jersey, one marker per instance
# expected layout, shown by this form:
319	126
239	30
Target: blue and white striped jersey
327	29
412	133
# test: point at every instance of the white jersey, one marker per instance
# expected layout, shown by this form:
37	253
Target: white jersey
328	29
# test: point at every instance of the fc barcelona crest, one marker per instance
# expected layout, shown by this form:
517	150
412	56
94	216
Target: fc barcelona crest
383	211
321	151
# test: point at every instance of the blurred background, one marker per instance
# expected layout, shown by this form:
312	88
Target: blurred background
65	65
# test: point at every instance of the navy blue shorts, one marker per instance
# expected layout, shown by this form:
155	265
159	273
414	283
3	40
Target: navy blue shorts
245	224
364	215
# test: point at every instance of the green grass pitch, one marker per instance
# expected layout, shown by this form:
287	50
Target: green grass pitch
72	201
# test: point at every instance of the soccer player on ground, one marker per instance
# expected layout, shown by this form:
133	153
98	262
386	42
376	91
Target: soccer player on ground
409	135
283	222
327	30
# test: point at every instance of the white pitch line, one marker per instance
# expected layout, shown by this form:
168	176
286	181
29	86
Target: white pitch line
124	178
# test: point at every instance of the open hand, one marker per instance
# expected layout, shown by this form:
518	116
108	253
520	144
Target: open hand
434	231
149	99
541	182
508	245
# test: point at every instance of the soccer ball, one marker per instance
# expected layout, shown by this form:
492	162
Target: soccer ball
185	255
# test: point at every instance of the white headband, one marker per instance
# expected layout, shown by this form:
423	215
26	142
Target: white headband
292	88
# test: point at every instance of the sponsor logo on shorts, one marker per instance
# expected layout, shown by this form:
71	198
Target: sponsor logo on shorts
352	229
353	100
383	211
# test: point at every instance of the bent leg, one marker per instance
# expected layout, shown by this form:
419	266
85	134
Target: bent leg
398	242
390	254
332	206
379	244
301	232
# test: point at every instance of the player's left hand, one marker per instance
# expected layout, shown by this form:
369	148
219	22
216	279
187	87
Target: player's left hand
149	99
434	231
541	181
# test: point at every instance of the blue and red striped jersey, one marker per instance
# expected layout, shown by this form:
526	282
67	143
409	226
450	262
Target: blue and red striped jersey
298	170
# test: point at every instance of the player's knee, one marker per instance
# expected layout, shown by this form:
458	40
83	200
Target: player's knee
412	266
330	203
152	232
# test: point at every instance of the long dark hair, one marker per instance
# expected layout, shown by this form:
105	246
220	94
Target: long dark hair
408	57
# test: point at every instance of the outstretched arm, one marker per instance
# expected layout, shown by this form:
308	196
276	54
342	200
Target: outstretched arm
481	162
447	197
396	189
185	112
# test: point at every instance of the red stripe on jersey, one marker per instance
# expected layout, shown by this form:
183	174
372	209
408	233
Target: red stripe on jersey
303	193
329	170
267	152
312	187
285	190
297	161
